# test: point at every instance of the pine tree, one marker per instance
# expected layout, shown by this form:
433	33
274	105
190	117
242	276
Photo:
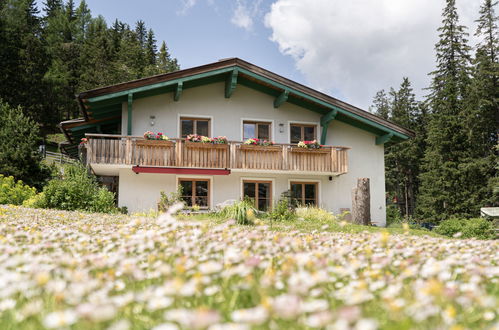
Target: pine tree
165	62
151	49
381	105
444	188
25	61
403	160
141	31
482	115
51	7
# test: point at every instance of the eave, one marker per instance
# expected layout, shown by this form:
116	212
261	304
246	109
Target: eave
106	102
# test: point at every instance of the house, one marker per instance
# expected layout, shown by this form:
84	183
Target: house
238	100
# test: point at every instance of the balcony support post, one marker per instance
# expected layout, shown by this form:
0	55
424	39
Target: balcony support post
230	83
325	120
178	91
129	117
384	138
283	97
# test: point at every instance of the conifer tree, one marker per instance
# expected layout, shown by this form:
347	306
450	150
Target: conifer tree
444	188
403	160
482	115
165	62
381	106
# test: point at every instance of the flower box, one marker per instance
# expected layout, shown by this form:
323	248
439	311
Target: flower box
154	143
201	145
313	150
259	147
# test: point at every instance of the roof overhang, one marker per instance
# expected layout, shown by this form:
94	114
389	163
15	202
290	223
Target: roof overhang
103	104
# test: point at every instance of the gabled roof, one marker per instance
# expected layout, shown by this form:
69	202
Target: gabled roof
104	104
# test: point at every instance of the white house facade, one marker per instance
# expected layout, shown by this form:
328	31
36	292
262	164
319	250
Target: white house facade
238	100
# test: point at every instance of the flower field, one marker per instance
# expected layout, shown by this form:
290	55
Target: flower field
94	271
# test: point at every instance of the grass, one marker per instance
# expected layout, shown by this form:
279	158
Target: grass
95	271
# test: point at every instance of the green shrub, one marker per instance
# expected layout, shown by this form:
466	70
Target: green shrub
469	228
313	213
75	189
393	215
282	211
12	192
167	200
241	211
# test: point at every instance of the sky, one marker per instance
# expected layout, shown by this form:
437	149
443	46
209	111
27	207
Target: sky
347	49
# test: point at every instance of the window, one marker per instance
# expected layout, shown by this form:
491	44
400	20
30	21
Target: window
301	132
304	193
260	192
199	126
195	192
256	130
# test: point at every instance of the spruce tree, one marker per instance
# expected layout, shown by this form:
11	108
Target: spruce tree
165	62
403	160
482	115
381	106
444	189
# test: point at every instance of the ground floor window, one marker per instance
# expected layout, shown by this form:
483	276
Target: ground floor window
304	193
260	192
195	192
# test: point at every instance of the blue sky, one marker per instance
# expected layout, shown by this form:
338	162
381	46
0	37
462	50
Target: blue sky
348	49
201	33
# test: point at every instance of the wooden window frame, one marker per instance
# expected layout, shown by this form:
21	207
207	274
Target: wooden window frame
194	125
258	122
303	183
302	131
256	190
193	197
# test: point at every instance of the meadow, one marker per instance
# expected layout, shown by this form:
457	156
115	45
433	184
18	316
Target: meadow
97	271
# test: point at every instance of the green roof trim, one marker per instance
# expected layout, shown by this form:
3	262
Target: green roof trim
107	102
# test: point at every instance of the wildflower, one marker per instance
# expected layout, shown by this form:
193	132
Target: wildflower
256	315
166	326
60	319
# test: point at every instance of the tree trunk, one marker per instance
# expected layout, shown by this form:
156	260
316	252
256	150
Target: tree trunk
361	202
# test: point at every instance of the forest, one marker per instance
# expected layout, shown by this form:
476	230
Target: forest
49	55
449	169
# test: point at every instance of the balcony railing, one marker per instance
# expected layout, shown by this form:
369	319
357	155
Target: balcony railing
133	150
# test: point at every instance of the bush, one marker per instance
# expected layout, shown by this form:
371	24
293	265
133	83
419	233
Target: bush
469	228
19	139
12	192
282	211
393	214
313	213
75	189
241	211
167	200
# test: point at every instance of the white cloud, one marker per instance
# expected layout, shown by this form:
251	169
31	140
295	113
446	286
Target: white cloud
186	5
358	47
244	13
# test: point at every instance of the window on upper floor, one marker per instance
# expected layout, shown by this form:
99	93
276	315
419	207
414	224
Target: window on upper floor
257	130
199	126
302	132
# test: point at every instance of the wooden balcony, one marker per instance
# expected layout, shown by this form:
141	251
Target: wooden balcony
106	149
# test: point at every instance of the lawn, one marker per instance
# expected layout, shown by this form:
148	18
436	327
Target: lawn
95	271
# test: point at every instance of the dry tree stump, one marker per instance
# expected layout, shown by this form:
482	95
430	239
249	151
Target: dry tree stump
361	202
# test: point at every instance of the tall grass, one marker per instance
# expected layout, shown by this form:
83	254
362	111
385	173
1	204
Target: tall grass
241	211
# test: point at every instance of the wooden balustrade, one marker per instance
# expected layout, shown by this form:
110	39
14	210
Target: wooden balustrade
133	150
